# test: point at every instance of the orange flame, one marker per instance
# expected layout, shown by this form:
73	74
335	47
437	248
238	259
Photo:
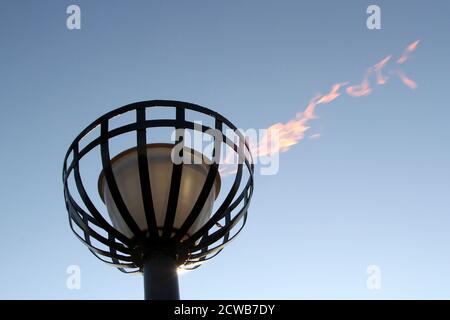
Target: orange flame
409	49
407	81
378	67
310	108
293	131
362	89
333	94
285	134
281	136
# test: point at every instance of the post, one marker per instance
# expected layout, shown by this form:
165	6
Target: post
160	277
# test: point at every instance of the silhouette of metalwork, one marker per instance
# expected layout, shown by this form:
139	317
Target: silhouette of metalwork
127	254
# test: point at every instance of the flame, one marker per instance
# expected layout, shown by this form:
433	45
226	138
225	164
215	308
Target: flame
292	132
310	108
362	89
333	94
280	137
407	52
406	80
378	67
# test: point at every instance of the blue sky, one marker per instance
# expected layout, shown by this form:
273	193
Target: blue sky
372	190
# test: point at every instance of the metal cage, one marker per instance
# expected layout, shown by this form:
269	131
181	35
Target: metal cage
127	254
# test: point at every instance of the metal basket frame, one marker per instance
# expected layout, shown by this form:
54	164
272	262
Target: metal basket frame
128	254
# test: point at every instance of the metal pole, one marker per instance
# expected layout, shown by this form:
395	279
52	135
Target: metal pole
160	277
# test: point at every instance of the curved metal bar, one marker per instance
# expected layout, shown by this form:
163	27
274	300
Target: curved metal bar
112	184
119	131
144	176
221	232
113	258
219	213
205	256
82	223
91	207
206	190
77	208
121	266
177	170
152	124
89	232
150	104
99	251
199	204
217	235
220	247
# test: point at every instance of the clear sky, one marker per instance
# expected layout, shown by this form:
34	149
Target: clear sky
373	189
